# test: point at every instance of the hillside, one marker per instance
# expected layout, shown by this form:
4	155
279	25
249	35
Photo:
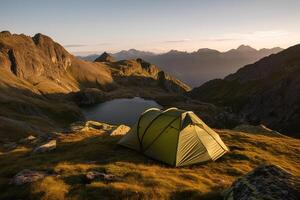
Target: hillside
87	149
42	84
200	66
266	92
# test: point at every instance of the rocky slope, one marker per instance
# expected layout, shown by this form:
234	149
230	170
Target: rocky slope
41	83
266	92
46	65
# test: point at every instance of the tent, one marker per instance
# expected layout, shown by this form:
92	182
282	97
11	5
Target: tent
176	137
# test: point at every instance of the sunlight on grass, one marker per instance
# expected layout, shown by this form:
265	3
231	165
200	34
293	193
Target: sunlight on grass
50	188
139	177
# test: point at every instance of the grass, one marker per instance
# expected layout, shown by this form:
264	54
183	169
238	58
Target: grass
138	176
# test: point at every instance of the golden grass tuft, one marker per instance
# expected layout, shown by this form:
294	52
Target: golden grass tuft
50	188
140	177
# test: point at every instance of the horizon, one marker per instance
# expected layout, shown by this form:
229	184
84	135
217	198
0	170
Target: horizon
98	26
87	53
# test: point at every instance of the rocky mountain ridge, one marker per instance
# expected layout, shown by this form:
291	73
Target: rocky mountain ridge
199	66
266	92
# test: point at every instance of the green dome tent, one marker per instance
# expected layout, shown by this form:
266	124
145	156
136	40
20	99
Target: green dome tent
176	137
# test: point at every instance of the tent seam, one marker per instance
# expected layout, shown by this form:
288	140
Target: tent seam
138	127
159	134
175	160
141	141
144	133
215	140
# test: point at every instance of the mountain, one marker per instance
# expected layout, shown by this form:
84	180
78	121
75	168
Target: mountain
41	84
132	54
205	64
122	55
200	66
90	57
105	57
267	91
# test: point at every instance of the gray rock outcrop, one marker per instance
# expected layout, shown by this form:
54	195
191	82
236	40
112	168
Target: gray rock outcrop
27	176
268	182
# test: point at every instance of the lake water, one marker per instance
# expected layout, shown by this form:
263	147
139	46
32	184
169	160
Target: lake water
119	111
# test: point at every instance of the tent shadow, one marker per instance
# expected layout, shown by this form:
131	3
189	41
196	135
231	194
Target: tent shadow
102	149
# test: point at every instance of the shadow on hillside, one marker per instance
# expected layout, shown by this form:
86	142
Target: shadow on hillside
24	112
52	112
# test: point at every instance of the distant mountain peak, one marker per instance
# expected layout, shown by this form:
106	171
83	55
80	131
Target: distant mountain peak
105	57
245	48
207	50
278	49
5	33
133	50
174	51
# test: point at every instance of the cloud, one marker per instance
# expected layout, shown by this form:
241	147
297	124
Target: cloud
177	41
221	39
86	45
75	45
254	35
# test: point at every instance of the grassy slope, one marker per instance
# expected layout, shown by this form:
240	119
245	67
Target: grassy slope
140	178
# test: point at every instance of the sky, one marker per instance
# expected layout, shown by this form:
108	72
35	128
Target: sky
93	26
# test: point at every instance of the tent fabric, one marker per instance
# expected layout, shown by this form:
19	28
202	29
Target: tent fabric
175	137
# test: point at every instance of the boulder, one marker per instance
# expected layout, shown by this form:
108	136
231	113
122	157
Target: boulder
49	146
28	140
265	183
27	176
90	126
98	125
120	130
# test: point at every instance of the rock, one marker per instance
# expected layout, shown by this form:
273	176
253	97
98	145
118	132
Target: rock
27	176
29	139
95	175
265	183
77	126
49	146
98	125
90	126
120	130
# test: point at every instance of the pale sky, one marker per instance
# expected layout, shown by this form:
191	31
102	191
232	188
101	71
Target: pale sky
156	25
